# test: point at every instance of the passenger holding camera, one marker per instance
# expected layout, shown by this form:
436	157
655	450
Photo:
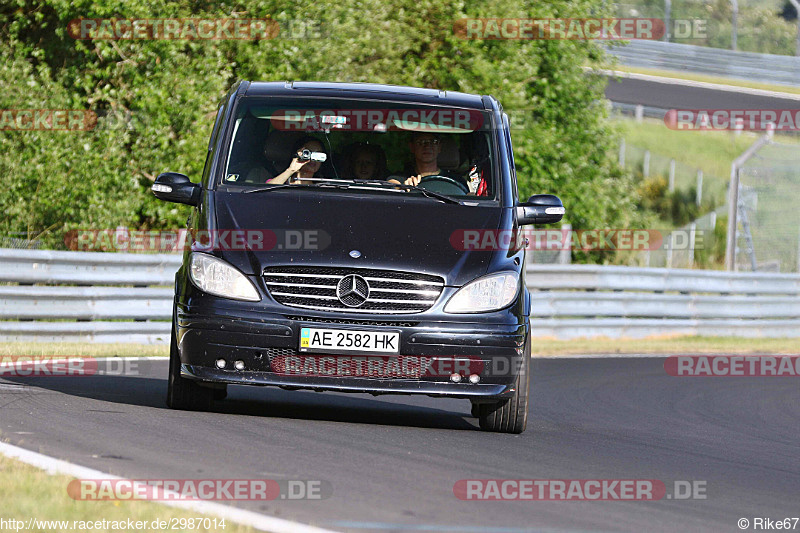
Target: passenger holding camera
300	170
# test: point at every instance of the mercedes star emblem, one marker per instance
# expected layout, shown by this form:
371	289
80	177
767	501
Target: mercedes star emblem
352	290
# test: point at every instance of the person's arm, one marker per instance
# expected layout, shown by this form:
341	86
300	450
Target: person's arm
294	168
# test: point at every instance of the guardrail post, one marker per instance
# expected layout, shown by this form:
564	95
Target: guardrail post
622	153
646	164
639	112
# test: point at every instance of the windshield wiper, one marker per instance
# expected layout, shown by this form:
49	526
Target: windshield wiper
322	182
429	194
342	184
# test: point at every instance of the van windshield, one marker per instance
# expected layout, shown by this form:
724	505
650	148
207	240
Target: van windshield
377	146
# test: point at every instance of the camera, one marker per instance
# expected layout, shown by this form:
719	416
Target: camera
308	155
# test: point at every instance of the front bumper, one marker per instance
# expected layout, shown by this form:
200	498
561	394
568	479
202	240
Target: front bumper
264	341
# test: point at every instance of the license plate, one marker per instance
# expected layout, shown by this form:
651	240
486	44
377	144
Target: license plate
348	340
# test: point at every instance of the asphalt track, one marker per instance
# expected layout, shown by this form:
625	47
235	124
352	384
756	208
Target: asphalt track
673	94
392	461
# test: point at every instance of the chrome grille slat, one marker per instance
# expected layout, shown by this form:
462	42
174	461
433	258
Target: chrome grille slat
390	292
332	287
408	281
297	295
357	310
404	291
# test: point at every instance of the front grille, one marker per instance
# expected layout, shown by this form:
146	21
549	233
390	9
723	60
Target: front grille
390	292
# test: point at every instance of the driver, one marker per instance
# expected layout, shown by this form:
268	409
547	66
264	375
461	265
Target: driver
425	148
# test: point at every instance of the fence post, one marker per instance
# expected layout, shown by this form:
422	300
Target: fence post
692	240
667	15
671	175
622	153
646	164
699	196
796	5
734	24
798	233
669	250
565	255
733	199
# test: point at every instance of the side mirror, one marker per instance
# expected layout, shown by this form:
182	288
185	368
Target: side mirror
540	209
174	187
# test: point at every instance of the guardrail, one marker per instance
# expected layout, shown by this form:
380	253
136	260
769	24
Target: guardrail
763	68
104	297
574	301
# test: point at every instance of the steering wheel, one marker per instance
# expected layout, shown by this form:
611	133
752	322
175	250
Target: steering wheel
443	184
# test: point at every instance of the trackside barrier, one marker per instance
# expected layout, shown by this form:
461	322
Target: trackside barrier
580	301
115	297
751	66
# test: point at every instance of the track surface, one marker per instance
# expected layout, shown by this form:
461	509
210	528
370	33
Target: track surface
674	96
392	460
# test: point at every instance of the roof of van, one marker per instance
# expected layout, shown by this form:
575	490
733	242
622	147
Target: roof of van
365	91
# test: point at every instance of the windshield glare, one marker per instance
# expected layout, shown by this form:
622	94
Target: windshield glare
374	145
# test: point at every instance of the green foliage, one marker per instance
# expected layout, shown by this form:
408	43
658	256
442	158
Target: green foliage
56	181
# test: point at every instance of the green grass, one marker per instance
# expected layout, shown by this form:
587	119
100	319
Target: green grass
84	350
28	492
667	345
541	346
720	80
711	151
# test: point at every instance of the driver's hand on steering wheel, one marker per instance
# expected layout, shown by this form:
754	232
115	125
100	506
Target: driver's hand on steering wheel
413	180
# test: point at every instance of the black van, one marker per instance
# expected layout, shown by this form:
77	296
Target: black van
356	238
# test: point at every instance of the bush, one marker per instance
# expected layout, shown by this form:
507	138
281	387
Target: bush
60	181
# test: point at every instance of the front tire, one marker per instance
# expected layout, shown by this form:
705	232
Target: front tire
511	415
184	394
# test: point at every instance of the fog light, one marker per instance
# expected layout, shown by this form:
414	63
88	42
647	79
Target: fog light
220	363
455	377
474	378
239	365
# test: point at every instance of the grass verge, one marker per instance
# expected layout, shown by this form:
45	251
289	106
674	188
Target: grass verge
84	350
671	345
720	80
28	492
683	344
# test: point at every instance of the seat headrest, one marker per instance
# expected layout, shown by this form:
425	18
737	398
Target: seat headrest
279	144
449	158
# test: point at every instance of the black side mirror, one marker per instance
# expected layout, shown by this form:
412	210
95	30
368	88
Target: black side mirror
174	187
540	209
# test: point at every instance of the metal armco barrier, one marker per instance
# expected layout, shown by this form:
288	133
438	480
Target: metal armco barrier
763	68
109	297
579	301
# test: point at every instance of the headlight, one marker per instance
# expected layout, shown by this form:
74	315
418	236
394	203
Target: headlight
217	277
488	293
